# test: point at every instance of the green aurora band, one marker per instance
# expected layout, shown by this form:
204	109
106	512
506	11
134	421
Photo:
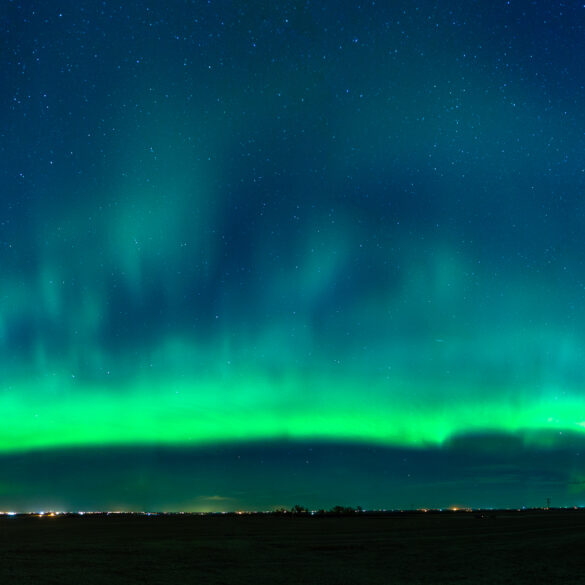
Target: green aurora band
244	410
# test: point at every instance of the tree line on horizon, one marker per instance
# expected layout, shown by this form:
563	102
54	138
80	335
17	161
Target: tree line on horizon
298	510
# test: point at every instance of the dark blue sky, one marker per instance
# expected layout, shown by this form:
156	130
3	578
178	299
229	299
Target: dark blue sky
264	253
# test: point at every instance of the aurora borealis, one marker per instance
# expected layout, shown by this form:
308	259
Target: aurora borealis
258	229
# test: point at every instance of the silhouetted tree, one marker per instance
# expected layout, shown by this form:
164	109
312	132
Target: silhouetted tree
342	510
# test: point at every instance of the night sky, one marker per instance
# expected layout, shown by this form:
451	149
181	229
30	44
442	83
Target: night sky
259	253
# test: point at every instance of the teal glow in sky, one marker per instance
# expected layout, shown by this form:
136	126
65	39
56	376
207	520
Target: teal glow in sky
291	223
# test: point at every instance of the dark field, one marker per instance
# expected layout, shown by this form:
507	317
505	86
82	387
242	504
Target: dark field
530	547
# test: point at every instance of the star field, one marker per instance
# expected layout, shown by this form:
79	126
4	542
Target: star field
294	223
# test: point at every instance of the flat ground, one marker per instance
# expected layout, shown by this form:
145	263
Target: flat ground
533	547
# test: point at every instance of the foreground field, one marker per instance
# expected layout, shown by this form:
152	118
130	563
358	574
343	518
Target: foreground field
531	547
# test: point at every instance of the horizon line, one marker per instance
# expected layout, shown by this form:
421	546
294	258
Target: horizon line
283	512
